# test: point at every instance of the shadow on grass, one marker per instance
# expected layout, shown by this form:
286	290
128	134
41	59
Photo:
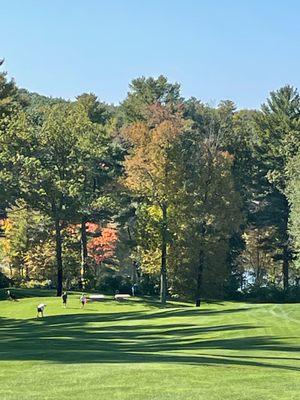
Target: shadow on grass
24	293
133	337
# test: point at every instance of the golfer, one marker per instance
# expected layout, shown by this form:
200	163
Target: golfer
64	297
11	296
83	300
40	310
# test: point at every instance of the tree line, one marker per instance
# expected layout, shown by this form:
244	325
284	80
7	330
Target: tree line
185	198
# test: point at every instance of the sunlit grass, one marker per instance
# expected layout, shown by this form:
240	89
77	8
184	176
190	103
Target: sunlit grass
136	350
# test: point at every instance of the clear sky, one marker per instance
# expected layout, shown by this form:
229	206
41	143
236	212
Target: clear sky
217	49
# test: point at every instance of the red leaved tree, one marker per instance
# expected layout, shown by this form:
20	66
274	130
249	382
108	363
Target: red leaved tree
102	247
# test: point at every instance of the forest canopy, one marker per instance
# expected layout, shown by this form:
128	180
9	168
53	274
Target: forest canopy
178	197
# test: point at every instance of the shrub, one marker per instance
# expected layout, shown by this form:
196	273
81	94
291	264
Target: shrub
4	281
112	283
148	285
272	294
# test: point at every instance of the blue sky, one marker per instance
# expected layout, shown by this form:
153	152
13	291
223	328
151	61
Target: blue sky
238	50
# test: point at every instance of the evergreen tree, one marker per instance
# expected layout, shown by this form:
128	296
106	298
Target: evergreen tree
278	128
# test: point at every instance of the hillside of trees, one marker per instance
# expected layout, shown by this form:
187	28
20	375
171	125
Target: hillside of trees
184	199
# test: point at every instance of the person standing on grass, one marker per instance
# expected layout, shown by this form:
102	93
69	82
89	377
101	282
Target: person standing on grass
64	297
134	289
83	300
40	310
11	296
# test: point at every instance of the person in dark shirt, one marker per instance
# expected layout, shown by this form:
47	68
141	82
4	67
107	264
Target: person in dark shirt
64	297
11	296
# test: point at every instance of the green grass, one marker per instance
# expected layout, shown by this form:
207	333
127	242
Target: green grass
136	350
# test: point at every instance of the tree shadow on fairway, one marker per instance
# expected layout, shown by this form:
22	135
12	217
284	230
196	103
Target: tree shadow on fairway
153	301
169	313
133	337
24	293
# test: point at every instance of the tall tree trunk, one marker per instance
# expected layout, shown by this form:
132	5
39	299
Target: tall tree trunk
58	250
286	256
258	268
285	268
163	271
134	274
84	252
199	278
27	273
200	268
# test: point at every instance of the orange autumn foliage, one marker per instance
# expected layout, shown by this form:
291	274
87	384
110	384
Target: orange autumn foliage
102	247
101	241
149	165
92	227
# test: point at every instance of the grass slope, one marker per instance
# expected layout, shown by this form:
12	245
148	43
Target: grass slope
135	350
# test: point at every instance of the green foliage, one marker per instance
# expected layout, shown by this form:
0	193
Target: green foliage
148	238
98	112
37	106
25	231
11	102
4	281
145	92
57	165
293	194
278	129
207	212
204	196
111	283
11	99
